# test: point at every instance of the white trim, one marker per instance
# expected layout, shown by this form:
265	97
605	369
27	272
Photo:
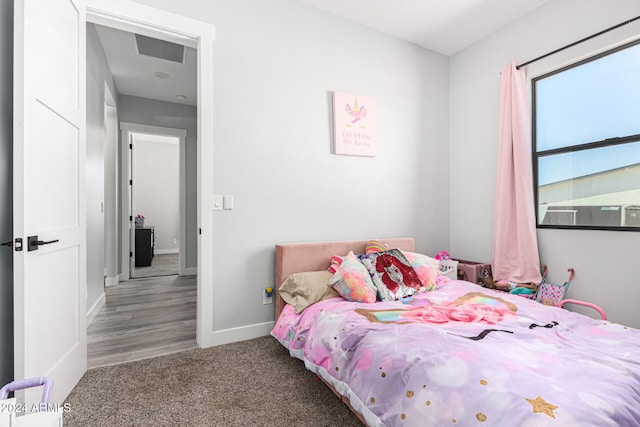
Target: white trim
135	17
190	271
111	281
153	130
182	191
95	308
166	251
112	203
241	333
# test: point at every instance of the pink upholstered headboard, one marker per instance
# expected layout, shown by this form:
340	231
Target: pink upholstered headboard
298	257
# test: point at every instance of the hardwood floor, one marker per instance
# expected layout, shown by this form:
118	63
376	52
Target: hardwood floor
143	318
161	265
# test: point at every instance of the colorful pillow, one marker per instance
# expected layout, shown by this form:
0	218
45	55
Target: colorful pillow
392	275
426	267
374	246
303	289
353	282
336	260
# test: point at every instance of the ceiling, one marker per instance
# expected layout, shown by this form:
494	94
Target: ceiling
444	26
135	74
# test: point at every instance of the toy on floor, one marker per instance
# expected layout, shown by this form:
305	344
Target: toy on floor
28	383
510	286
35	415
546	293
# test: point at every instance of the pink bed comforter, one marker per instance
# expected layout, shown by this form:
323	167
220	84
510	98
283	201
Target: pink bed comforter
464	355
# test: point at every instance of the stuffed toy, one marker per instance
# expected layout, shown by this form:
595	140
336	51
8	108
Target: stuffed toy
512	287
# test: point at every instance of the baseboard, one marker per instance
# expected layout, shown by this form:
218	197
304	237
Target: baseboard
242	333
165	251
191	271
95	308
111	281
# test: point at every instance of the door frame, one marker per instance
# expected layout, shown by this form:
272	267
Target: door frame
152	22
126	131
111	203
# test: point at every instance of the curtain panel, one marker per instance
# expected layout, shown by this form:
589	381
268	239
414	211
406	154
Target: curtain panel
515	245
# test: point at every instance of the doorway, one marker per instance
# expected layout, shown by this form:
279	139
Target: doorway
157	181
155	205
153	22
126	15
146	317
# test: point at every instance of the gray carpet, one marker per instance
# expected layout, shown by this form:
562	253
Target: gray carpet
250	383
161	265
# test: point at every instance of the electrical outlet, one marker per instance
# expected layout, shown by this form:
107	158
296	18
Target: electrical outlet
266	299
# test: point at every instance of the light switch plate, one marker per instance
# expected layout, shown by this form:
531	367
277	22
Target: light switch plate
217	202
227	202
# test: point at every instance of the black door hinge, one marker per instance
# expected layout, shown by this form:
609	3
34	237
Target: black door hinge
130	254
199	230
130	217
130	182
130	146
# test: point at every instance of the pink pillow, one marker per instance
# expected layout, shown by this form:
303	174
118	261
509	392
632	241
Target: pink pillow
426	267
336	260
353	282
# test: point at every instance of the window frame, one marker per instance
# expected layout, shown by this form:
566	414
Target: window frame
608	142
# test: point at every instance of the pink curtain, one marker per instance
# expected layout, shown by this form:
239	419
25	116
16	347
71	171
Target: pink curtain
515	246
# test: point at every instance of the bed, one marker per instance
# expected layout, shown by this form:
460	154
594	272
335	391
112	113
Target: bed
460	355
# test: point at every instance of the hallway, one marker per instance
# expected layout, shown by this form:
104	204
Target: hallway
143	318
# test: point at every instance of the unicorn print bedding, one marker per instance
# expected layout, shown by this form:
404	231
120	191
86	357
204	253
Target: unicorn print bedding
463	355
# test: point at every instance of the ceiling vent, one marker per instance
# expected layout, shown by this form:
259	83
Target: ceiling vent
161	49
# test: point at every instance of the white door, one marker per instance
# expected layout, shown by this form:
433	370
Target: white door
49	193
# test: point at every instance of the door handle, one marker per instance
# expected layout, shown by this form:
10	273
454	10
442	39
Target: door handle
9	243
33	243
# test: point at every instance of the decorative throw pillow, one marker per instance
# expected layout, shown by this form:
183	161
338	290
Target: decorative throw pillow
336	260
392	275
374	246
303	289
426	268
353	282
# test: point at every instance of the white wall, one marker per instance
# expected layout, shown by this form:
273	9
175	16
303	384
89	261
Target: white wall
132	109
6	192
97	74
605	261
156	183
276	65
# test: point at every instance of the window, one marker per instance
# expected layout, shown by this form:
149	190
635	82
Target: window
586	143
